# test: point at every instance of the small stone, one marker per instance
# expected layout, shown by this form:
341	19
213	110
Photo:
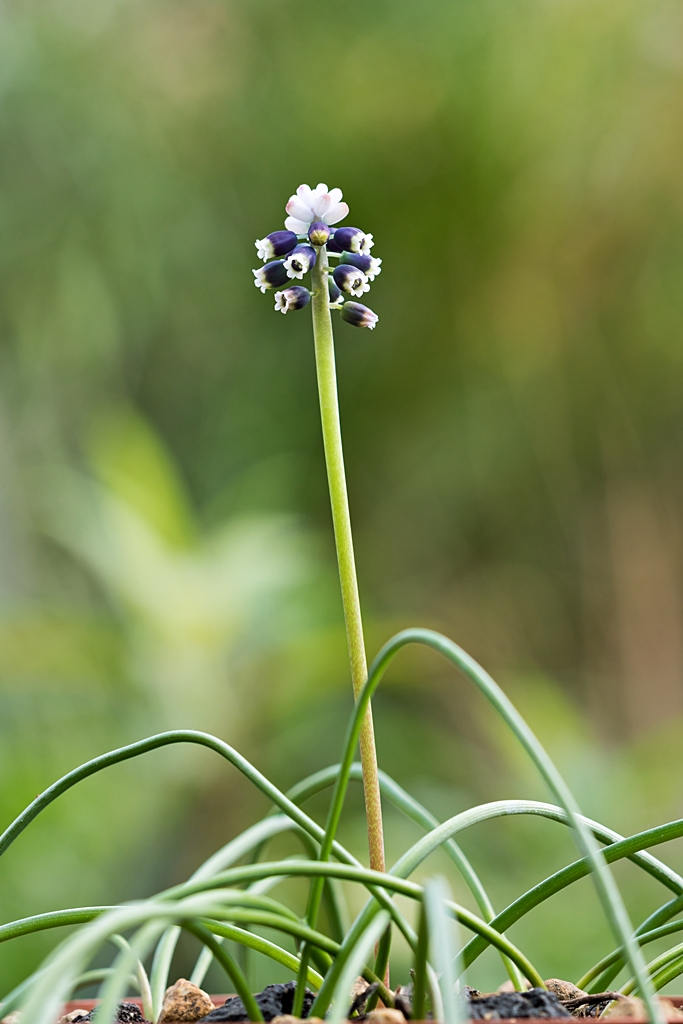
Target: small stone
633	1008
185	1001
386	1016
75	1015
288	1019
629	1009
563	989
13	1018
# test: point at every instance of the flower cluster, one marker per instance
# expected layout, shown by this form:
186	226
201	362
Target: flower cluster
291	254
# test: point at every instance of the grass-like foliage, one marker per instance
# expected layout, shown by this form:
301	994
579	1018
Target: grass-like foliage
226	896
231	894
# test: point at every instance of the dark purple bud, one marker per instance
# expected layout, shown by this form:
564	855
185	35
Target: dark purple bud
334	290
332	245
278	243
370	265
273	275
318	233
295	297
300	261
359	315
352	239
350	279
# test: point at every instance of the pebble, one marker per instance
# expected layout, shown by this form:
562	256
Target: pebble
386	1016
563	989
184	1002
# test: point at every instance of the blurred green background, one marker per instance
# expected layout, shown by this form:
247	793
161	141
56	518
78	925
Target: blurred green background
513	428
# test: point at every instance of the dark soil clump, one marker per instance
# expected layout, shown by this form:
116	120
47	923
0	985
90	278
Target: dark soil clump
537	1002
127	1013
274	1001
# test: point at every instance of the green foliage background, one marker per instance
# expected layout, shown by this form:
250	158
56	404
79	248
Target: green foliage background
513	428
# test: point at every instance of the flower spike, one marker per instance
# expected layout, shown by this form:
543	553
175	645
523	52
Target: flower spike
277	243
350	279
273	275
295	297
300	261
359	315
303	248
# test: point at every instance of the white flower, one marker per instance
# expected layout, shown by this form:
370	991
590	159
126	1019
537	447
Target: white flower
295	297
350	279
273	275
314	204
277	243
300	261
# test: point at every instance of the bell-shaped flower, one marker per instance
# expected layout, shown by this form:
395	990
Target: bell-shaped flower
370	265
277	243
300	261
359	315
273	275
350	279
295	297
353	240
336	297
311	204
332	245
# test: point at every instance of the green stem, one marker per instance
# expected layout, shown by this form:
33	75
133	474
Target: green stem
334	459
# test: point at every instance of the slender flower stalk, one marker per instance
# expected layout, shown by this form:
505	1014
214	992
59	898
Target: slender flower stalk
310	214
334	459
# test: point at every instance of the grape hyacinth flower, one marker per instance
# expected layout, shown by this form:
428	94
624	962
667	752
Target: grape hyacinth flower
273	275
353	239
295	297
359	315
277	243
350	279
336	297
300	261
370	265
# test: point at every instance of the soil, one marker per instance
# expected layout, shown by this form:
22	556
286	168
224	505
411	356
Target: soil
127	1013
537	1002
274	1001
